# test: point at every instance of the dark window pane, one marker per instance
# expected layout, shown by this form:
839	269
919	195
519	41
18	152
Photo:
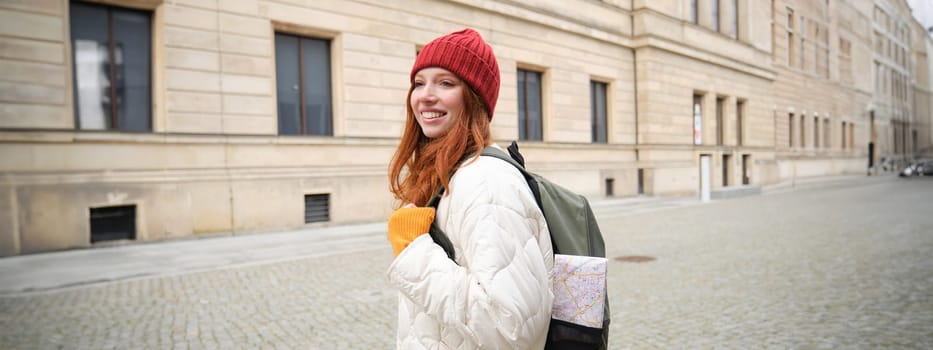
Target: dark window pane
288	84
316	66
693	12
715	5
522	117
112	59
598	111
89	41
303	85
697	119
132	45
739	109
533	91
593	129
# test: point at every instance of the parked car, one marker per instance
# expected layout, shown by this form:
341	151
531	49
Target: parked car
918	168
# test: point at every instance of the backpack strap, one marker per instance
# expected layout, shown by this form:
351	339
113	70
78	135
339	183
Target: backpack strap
518	161
437	234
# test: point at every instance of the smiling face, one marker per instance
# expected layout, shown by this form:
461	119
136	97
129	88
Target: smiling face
436	100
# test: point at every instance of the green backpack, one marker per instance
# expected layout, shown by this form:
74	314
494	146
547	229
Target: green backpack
574	231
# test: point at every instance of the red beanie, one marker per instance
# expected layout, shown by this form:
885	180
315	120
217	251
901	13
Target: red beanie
465	54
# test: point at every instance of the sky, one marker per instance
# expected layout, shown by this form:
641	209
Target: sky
923	11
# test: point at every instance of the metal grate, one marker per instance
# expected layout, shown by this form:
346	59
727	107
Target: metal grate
317	208
113	223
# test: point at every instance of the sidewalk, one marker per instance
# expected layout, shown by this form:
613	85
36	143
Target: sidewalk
56	270
80	267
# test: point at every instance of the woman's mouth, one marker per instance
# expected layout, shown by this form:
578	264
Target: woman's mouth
432	115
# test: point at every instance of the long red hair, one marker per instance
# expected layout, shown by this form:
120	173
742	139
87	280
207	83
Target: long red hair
431	162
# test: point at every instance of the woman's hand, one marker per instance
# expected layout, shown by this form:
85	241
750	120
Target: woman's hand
407	223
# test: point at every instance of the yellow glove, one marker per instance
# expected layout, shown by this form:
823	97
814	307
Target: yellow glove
408	223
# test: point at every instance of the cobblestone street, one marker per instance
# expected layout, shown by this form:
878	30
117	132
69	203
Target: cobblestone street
846	266
839	268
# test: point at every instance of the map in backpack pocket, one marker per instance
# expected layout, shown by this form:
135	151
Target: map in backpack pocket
579	288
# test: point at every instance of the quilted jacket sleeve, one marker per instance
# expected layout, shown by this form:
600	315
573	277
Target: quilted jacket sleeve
499	295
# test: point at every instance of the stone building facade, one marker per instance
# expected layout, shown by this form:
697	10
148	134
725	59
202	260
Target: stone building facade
158	119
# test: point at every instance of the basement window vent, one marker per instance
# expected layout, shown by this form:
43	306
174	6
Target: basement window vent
317	208
113	223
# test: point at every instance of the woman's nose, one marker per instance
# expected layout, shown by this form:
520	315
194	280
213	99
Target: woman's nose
427	94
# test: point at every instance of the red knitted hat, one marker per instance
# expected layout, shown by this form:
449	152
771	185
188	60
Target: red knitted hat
465	54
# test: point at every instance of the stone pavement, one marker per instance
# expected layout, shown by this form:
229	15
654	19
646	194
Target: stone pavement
845	266
56	270
831	263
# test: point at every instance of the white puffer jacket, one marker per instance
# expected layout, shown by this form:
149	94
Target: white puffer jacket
498	293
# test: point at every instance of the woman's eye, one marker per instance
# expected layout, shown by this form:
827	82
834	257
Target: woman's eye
447	83
418	84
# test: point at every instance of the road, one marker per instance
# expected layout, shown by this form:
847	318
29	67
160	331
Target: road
844	266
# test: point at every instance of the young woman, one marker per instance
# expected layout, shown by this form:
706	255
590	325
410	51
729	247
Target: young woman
497	294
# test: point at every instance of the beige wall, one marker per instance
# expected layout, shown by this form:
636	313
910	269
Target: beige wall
34	88
214	163
834	94
920	86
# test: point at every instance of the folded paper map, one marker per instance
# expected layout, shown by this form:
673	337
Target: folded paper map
579	289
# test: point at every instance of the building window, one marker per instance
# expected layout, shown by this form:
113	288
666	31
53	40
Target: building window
735	19
720	121
816	132
827	142
715	5
111	50
303	85
852	135
694	17
845	61
529	105
739	115
791	40
825	48
697	119
775	29
817	49
801	62
598	112
803	131
790	130
877	74
844	144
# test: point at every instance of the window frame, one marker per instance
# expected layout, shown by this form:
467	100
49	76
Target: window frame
598	135
740	105
525	132
694	12
304	122
791	41
843	143
816	131
735	19
113	122
716	16
697	109
720	120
